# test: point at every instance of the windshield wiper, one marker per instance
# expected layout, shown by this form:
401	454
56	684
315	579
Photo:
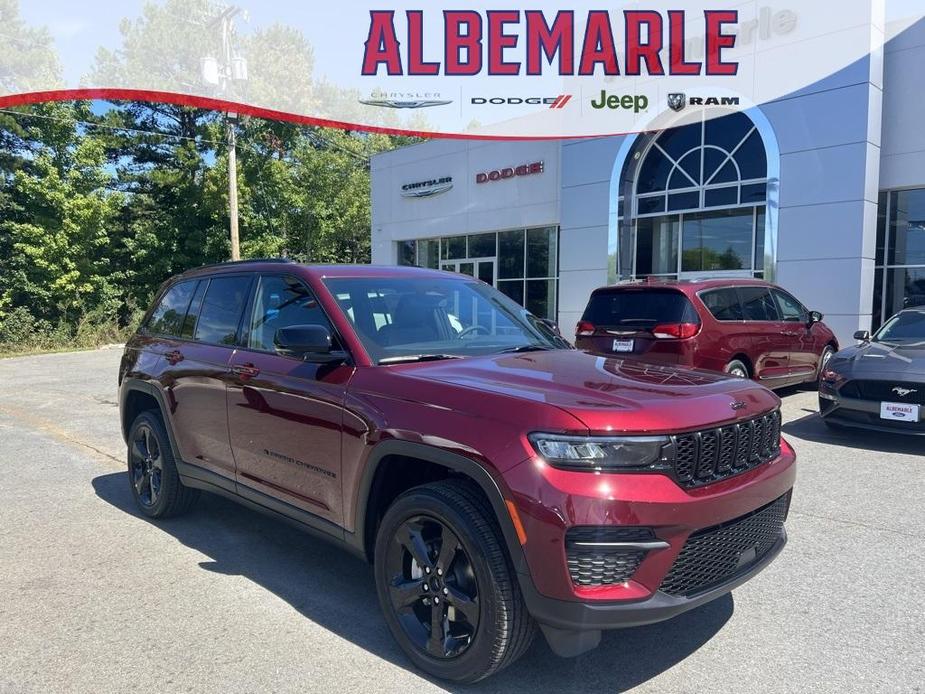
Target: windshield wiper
527	348
409	358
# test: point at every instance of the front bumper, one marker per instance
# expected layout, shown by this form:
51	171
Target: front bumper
863	414
550	502
567	615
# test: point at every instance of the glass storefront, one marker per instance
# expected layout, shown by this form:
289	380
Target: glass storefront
899	281
699	201
522	263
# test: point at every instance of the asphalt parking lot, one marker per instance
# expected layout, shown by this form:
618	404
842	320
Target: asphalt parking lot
94	598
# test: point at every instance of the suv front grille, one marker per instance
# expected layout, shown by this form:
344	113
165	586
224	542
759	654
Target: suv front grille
702	457
714	555
591	565
882	391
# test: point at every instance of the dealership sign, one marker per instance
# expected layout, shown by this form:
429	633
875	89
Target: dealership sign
426	189
509	172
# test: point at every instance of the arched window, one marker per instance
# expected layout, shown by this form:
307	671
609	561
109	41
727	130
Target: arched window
699	200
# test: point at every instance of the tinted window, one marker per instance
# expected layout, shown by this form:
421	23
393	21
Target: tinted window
757	304
639	307
189	323
221	311
723	304
790	309
279	303
167	318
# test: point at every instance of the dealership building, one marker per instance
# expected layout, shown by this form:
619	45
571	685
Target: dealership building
822	192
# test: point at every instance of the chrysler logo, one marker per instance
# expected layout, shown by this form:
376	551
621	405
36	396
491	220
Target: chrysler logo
405	100
425	189
903	392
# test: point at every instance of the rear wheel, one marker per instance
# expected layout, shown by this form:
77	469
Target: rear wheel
152	471
445	585
737	369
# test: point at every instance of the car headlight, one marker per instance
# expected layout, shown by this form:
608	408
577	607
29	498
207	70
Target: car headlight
599	452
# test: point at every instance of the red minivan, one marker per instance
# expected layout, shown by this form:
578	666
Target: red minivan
746	328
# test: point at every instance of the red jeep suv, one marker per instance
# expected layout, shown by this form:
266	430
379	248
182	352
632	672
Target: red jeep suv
496	478
745	328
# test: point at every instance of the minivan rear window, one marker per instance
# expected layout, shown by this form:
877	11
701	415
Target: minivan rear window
639	308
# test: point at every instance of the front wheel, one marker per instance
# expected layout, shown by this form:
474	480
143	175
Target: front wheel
445	585
824	360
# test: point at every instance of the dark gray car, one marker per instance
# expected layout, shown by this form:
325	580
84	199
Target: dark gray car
879	384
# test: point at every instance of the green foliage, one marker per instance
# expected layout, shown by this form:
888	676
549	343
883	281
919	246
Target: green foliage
100	203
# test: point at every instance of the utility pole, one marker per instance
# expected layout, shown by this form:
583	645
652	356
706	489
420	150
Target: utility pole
233	187
222	74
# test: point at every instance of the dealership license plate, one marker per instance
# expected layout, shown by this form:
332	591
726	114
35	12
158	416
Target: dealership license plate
623	345
899	412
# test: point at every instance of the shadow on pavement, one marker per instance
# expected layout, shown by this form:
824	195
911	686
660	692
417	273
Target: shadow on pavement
336	591
812	428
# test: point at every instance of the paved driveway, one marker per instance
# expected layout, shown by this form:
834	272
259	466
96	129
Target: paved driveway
94	598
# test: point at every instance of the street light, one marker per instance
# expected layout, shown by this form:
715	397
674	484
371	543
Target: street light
223	73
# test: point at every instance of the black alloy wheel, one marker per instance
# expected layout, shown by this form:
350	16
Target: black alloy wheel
446	585
433	588
152	471
147	465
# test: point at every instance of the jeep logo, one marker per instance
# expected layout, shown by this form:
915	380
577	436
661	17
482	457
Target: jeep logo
627	102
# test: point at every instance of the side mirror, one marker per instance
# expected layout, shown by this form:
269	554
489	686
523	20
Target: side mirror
815	317
311	343
862	335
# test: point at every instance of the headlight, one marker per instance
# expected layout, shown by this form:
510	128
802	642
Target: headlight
599	452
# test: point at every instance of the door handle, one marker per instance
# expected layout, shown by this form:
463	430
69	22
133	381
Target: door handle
788	333
245	371
174	357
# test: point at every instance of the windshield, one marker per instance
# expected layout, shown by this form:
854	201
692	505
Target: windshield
397	317
639	307
903	327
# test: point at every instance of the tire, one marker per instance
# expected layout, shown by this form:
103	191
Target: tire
737	369
503	629
824	358
152	470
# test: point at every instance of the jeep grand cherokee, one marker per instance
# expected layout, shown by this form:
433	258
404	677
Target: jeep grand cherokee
496	478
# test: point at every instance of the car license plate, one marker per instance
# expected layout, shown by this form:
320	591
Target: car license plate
899	412
623	345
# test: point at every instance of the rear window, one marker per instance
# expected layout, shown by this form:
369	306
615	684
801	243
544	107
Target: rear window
167	318
639	307
222	308
723	304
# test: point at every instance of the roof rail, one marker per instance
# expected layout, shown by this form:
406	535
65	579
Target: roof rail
241	262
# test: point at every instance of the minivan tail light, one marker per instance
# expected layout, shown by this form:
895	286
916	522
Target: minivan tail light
584	329
675	331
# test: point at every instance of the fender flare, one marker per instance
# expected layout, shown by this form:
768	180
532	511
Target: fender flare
130	385
452	461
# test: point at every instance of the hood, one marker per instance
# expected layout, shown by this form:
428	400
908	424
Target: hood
876	360
608	394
